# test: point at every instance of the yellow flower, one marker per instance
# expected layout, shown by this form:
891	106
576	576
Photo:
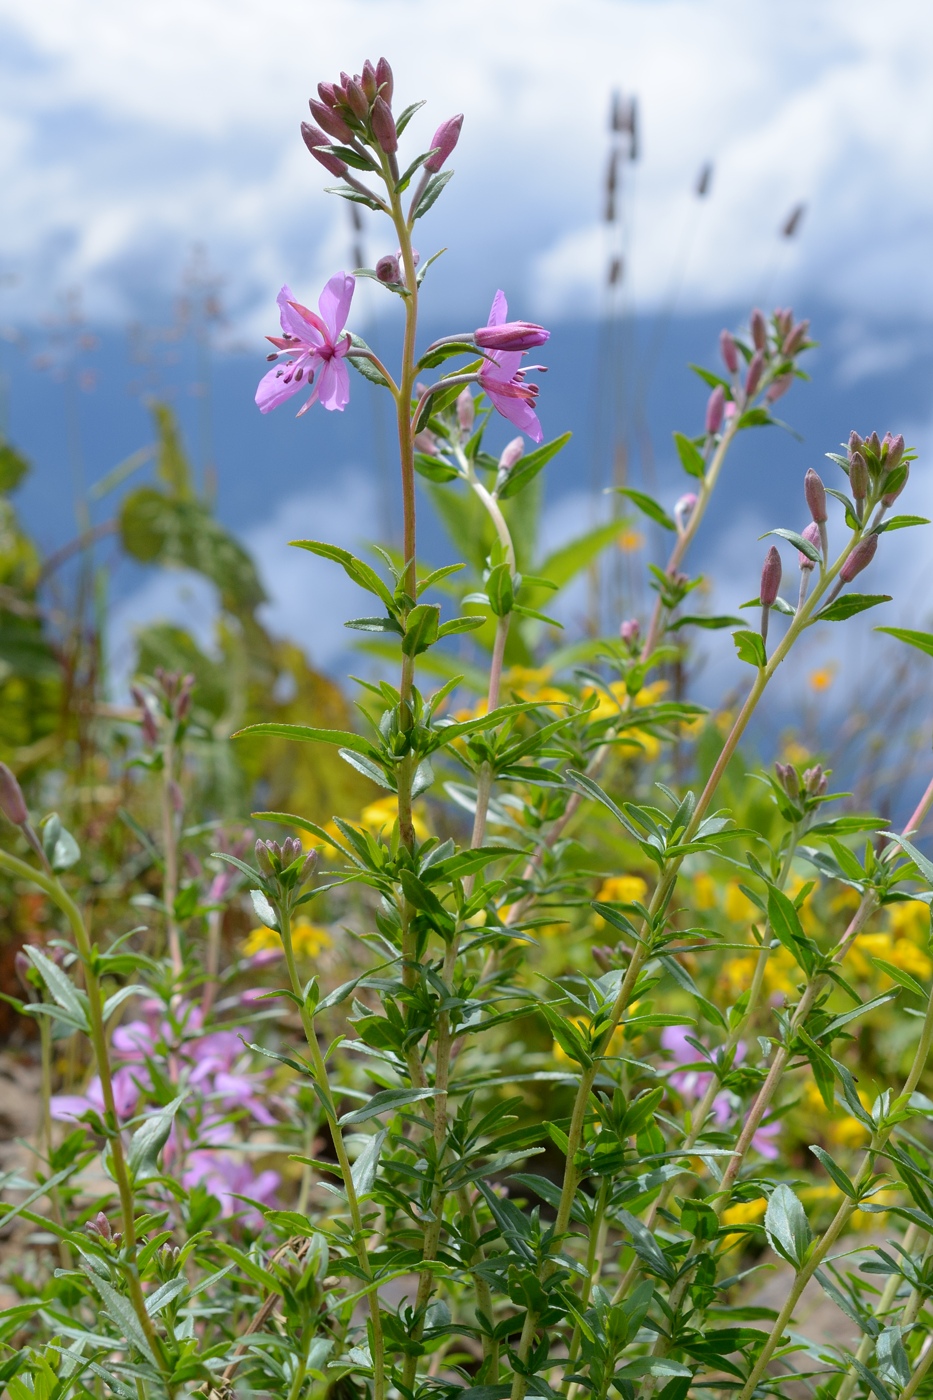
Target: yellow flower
822	678
704	891
910	919
622	889
795	753
744	1213
308	940
381	816
781	972
630	541
310	842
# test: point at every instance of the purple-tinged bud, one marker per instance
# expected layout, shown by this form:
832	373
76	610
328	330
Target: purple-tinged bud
357	100
755	371
787	777
812	535
345	79
779	387
890	497
684	509
874	444
784	320
815	493
604	958
759	329
12	802
511	335
368	80
859	559
328	94
511	453
815	781
895	450
388	270
315	139
443	141
330	121
307	868
385	80
100	1225
263	851
730	356
715	407
24	973
796	338
383	124
630	631
183	703
466	411
855	442
858	476
425	441
147	723
291	850
770	577
340	95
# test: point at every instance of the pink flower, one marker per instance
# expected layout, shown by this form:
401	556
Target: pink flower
315	347
502	379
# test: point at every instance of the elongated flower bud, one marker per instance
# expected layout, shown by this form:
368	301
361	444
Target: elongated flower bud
770	577
466	410
368	80
858	476
443	141
815	494
511	453
895	450
730	356
759	329
755	370
12	802
357	100
684	509
314	139
812	535
859	559
784	320
815	781
787	776
328	94
425	441
388	270
630	631
383	124
855	442
874	444
715	407
796	338
511	335
385	80
890	497
330	121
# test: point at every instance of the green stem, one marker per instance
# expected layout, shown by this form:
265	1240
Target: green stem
170	857
45	1037
353	1205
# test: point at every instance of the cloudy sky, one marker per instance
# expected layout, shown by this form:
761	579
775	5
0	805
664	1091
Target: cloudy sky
127	132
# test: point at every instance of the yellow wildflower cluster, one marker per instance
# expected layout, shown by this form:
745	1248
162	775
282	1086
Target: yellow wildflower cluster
308	940
622	889
378	816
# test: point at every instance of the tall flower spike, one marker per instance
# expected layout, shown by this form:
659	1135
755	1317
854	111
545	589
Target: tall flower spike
316	349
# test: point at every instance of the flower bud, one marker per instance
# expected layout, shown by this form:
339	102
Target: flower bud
684	509
873	443
753	377
630	631
315	139
603	957
512	335
796	338
466	411
291	849
328	94
388	270
895	450
383	124
715	406
384	80
357	100
100	1225
812	534
183	703
443	141
147	724
859	559
730	356
815	493
511	453
12	802
890	497
779	387
759	329
770	577
368	80
787	776
855	442
263	851
425	441
307	869
858	476
24	972
815	781
330	121
784	320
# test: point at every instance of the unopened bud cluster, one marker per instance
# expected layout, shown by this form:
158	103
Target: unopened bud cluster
285	863
768	355
877	468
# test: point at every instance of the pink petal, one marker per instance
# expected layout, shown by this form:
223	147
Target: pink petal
292	323
335	301
499	313
334	385
519	412
273	390
503	365
64	1106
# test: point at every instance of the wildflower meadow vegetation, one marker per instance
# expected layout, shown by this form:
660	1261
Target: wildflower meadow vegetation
492	1025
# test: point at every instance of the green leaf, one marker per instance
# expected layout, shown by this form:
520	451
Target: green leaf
923	641
648	506
375	624
60	986
838	1022
120	1309
432	358
750	647
712	623
500	591
899	522
306	734
60	847
785	922
755	418
367	767
431	192
691	458
363	366
13	467
837	1174
786	1226
647	1247
421	628
356	569
798	541
459	624
850	604
386	1101
147	1141
898	975
434	468
527	467
363	1171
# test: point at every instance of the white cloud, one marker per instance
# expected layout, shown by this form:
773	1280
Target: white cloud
129	132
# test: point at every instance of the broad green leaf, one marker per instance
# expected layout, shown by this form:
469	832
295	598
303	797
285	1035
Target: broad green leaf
899	522
363	1172
386	1101
356	569
838	1175
923	641
147	1141
691	458
786	1226
798	541
648	506
306	734
527	467
849	605
750	647
60	986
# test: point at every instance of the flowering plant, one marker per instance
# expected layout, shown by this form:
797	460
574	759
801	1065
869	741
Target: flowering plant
500	1162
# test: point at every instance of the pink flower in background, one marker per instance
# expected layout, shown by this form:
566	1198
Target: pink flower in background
316	348
693	1083
502	378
